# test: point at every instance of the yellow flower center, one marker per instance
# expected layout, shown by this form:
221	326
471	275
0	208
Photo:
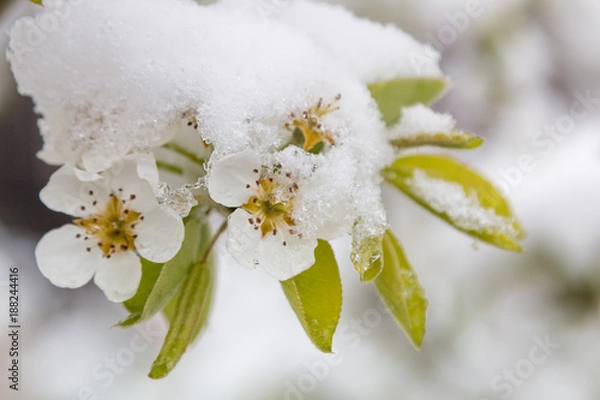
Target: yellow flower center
113	228
271	206
310	124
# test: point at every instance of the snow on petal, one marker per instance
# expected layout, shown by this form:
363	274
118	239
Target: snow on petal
119	276
105	82
63	258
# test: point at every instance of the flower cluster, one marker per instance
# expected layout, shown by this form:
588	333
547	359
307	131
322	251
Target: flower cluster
160	112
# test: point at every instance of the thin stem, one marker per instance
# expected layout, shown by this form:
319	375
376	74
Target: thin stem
212	243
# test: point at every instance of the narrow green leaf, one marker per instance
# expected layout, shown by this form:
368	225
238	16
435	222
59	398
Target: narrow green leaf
455	139
401	291
316	297
187	316
152	298
37	2
459	195
392	95
366	257
171	308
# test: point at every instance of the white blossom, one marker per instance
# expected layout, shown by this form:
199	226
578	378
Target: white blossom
118	220
264	230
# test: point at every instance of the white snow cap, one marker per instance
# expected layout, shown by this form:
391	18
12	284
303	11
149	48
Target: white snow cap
112	78
372	51
108	76
419	119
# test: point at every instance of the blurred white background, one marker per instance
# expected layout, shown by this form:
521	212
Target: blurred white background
501	326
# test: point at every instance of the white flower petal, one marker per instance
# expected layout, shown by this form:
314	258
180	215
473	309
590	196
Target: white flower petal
86	176
96	159
160	234
119	276
229	176
250	249
63	258
242	239
125	180
146	168
285	262
67	194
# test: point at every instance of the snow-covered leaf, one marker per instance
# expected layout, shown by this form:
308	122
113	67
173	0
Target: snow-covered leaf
459	195
455	139
316	297
401	291
366	257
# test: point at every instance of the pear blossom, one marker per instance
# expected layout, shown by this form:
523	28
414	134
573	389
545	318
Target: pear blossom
265	230
118	219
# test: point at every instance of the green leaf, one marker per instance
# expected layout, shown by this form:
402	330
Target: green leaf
170	310
391	96
152	298
37	2
316	297
455	139
188	315
366	257
401	291
459	195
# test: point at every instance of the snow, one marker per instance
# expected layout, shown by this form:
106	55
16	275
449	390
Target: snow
419	119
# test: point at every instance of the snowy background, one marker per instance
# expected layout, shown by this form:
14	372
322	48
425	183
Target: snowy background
526	77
